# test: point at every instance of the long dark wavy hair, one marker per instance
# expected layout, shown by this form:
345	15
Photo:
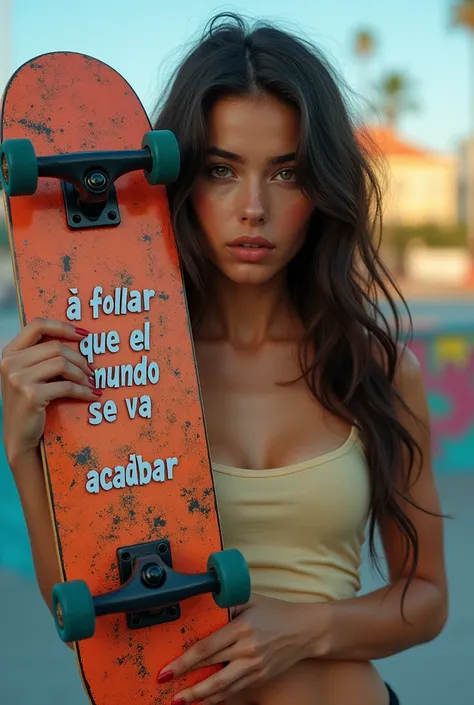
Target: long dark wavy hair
351	348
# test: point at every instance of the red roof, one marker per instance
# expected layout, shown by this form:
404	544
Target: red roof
388	142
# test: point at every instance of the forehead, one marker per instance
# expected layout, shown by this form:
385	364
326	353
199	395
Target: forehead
254	126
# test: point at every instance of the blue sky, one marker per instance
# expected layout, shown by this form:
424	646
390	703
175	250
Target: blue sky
145	38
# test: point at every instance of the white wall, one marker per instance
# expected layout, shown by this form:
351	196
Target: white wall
422	191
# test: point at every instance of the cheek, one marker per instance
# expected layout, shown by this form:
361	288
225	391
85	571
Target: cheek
207	208
294	217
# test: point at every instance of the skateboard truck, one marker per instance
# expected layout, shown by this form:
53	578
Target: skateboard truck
87	178
150	590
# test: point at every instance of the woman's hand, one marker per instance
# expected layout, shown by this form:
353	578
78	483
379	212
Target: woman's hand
265	638
36	368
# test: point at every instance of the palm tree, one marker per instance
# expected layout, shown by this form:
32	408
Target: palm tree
394	96
463	15
364	49
364	44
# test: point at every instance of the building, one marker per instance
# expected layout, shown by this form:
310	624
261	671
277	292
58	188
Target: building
466	165
421	185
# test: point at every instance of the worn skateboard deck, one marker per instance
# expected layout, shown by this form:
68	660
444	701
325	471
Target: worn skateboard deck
134	466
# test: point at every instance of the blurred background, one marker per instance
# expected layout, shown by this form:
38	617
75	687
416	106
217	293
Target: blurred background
409	68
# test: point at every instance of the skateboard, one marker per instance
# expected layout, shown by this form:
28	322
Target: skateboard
128	476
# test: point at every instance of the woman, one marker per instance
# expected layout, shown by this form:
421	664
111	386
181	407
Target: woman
316	413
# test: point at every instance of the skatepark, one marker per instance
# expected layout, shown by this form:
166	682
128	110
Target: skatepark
36	668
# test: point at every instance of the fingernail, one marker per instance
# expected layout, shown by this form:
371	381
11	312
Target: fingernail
92	382
179	701
91	367
97	392
165	676
81	331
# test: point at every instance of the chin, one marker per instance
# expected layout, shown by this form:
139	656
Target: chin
248	274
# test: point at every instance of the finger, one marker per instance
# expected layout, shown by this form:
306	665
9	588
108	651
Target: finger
217	684
224	657
38	328
57	367
44	351
238	687
202	650
61	390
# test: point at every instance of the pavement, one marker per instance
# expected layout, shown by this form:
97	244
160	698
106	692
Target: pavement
37	669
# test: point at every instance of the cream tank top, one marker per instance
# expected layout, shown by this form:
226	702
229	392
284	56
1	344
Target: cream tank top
301	528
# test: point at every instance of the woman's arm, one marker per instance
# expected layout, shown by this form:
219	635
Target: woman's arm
371	626
268	636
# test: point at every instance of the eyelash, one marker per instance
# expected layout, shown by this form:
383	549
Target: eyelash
210	169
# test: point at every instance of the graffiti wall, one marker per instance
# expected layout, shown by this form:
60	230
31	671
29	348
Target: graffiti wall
447	360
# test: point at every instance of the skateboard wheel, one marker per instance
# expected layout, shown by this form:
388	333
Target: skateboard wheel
18	167
164	149
233	575
73	611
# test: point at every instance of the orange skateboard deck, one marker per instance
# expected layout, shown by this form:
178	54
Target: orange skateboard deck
128	476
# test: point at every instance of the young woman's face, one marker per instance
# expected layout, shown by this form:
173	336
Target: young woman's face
250	209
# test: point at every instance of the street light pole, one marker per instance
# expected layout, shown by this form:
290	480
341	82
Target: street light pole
470	150
463	15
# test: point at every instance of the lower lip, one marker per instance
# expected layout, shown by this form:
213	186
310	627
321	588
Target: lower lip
250	254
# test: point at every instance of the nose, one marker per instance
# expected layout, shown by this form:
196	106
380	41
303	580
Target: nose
252	209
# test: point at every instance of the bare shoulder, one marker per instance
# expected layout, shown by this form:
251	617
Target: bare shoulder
408	368
408	380
407	361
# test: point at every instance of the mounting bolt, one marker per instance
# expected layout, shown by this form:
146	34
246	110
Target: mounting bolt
96	181
153	575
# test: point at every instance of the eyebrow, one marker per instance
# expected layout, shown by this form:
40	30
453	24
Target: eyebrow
218	152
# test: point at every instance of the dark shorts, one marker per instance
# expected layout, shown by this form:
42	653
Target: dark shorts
393	698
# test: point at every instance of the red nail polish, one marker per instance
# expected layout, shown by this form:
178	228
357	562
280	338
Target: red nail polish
91	367
97	392
92	382
165	677
180	701
81	331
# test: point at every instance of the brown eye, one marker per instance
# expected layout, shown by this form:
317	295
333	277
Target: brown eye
219	171
287	175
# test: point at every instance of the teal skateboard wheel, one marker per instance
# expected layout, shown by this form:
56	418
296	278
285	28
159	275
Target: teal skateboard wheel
233	576
18	167
164	149
73	611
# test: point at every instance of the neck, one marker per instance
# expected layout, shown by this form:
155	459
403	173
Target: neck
249	315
